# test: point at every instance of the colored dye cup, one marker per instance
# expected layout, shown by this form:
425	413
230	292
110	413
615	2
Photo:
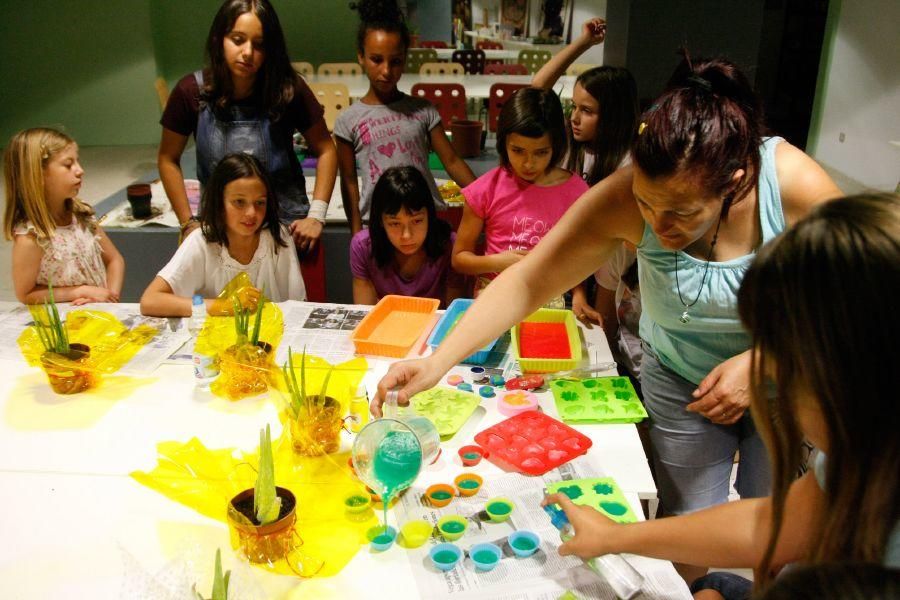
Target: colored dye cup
471	455
485	556
415	533
440	495
486	391
445	556
468	484
454	379
499	509
452	527
381	539
356	503
524	543
477	375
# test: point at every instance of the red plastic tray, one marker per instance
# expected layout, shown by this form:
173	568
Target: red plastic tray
532	443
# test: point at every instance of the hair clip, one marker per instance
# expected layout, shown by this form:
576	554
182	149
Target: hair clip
642	127
700	81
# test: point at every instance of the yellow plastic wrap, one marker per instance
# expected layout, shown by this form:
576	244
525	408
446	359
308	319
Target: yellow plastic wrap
100	344
325	537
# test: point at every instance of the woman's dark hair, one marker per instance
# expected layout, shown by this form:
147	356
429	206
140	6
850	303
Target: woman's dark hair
212	208
615	91
707	123
380	15
836	581
398	188
840	351
276	81
532	112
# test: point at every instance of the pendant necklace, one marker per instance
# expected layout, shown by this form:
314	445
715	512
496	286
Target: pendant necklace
685	317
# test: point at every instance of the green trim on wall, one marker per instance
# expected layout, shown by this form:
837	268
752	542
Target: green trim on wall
832	20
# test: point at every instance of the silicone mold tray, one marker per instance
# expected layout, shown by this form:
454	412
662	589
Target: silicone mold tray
394	325
548	365
602	493
532	443
447	409
597	400
451	317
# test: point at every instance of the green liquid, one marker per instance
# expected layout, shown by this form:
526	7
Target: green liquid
498	508
471	455
523	544
383	539
485	557
440	495
396	464
453	527
614	508
356	501
445	557
468	484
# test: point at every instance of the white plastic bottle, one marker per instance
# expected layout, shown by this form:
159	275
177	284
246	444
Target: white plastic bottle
198	315
206	368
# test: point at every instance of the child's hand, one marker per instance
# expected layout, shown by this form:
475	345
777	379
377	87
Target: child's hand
508	258
85	294
593	530
247	296
306	232
583	310
593	31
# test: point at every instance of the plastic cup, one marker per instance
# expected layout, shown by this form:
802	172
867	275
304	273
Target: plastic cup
452	527
382	539
524	543
499	509
445	556
357	502
440	495
468	484
485	556
471	455
389	453
415	533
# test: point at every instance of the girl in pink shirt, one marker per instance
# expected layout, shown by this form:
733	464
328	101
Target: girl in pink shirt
518	202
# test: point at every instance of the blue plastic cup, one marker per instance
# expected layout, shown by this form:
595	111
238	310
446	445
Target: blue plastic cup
384	540
485	556
524	543
445	556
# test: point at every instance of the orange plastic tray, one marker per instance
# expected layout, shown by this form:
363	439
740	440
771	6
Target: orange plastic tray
394	325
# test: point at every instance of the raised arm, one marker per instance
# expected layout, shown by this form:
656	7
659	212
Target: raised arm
593	32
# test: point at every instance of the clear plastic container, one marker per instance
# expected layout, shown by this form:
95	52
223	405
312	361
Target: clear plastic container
198	315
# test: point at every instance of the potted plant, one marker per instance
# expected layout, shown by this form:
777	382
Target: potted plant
261	518
316	420
246	365
63	362
220	582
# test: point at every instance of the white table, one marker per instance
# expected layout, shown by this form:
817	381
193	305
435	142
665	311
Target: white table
477	86
489	54
76	525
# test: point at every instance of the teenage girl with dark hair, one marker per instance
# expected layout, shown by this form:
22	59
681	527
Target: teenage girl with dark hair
387	128
704	192
249	99
406	249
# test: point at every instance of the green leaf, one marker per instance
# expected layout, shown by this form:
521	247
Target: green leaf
325	386
265	500
303	379
220	581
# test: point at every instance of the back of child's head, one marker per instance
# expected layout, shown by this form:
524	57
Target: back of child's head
24	160
708	123
835	581
212	207
276	79
532	112
615	91
819	304
380	15
404	188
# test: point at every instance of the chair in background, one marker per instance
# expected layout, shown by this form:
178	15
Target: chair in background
534	59
489	45
471	60
451	214
499	94
347	68
433	44
162	90
505	69
416	57
312	267
304	68
579	68
334	97
439	68
448	98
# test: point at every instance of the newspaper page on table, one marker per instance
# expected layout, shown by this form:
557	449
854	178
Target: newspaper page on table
543	576
323	329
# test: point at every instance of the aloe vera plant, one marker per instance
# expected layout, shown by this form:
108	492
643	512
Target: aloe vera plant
50	327
298	397
266	503
242	320
220	581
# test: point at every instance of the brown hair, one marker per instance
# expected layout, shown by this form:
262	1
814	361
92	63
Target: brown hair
833	279
380	15
533	112
709	123
23	164
836	581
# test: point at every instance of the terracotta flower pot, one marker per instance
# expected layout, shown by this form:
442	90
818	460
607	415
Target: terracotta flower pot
262	543
318	433
466	138
64	372
139	196
245	370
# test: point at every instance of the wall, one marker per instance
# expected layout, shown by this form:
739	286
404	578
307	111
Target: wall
432	18
859	94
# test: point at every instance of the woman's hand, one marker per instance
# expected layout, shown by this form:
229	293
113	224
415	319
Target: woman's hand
594	531
723	395
411	376
306	232
593	31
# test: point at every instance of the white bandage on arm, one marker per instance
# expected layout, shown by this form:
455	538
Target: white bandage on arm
317	210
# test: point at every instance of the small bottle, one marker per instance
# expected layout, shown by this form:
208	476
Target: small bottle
198	315
359	409
206	368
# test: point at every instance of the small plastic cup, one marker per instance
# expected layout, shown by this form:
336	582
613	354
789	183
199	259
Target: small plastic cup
471	455
468	484
440	495
382	539
499	509
357	502
485	556
415	533
477	375
445	556
524	543
452	527
454	379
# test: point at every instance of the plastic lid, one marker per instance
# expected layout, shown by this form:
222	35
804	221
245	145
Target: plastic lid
198	299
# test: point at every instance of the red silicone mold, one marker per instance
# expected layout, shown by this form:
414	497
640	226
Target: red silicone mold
532	443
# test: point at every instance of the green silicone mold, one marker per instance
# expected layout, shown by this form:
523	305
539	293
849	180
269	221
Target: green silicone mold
598	400
603	494
448	409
